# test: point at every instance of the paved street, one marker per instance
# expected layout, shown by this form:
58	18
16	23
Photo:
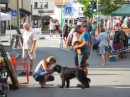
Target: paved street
112	80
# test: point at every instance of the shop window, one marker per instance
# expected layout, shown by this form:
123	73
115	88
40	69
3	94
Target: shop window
45	4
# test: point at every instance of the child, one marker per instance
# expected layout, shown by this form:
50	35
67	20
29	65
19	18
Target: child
61	41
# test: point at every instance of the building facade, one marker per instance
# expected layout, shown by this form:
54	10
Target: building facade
41	12
76	10
23	12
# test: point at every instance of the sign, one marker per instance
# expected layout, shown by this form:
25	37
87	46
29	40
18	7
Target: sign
40	11
68	10
98	19
45	11
101	7
14	13
48	11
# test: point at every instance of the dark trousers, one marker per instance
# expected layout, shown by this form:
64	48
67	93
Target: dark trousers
76	58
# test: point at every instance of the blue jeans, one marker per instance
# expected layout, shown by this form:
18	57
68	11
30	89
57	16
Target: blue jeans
76	58
40	77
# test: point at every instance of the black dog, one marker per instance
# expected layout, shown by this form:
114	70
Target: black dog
68	73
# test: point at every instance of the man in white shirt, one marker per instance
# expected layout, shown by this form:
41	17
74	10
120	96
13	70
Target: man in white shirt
29	42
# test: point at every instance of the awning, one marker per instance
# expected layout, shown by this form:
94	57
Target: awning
25	11
124	11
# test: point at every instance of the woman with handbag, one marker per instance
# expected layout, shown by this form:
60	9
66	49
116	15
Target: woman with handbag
103	49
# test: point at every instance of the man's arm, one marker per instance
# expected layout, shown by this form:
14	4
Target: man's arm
82	45
34	42
85	42
33	45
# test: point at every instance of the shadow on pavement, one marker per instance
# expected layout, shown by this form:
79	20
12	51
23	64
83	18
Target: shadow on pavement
93	91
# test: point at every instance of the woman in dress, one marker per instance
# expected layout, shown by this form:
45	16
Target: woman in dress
103	39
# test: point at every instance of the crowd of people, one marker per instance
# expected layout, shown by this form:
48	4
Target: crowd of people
80	36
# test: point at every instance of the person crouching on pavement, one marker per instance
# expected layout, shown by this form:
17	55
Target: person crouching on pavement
43	72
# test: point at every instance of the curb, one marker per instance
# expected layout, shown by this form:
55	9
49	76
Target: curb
4	41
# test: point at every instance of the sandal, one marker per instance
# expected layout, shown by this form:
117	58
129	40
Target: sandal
45	87
79	85
40	83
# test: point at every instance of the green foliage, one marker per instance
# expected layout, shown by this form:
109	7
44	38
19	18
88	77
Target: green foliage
86	5
112	5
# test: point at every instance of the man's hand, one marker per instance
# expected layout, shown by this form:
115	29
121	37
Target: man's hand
75	47
32	51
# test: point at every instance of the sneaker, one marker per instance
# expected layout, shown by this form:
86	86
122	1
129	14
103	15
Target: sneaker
22	73
30	73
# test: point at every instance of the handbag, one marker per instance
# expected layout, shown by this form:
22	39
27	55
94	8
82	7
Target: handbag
117	46
108	48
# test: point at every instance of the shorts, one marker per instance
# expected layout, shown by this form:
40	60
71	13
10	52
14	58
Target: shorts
51	31
40	77
82	59
27	54
65	35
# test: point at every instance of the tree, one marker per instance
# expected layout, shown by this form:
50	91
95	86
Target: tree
112	5
86	7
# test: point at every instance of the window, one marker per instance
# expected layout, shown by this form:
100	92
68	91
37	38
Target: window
35	5
81	9
40	5
45	4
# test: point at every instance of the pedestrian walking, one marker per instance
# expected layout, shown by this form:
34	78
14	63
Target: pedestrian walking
51	26
57	28
103	39
29	43
61	41
65	32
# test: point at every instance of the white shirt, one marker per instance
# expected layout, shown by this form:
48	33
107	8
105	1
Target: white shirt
61	41
51	26
28	38
73	36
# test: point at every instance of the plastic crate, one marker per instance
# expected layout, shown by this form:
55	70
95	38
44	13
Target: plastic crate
3	94
113	58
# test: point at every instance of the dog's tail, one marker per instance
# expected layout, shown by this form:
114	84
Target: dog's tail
89	80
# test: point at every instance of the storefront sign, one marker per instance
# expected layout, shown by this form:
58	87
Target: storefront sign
48	11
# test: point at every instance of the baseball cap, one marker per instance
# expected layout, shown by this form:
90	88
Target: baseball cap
76	27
